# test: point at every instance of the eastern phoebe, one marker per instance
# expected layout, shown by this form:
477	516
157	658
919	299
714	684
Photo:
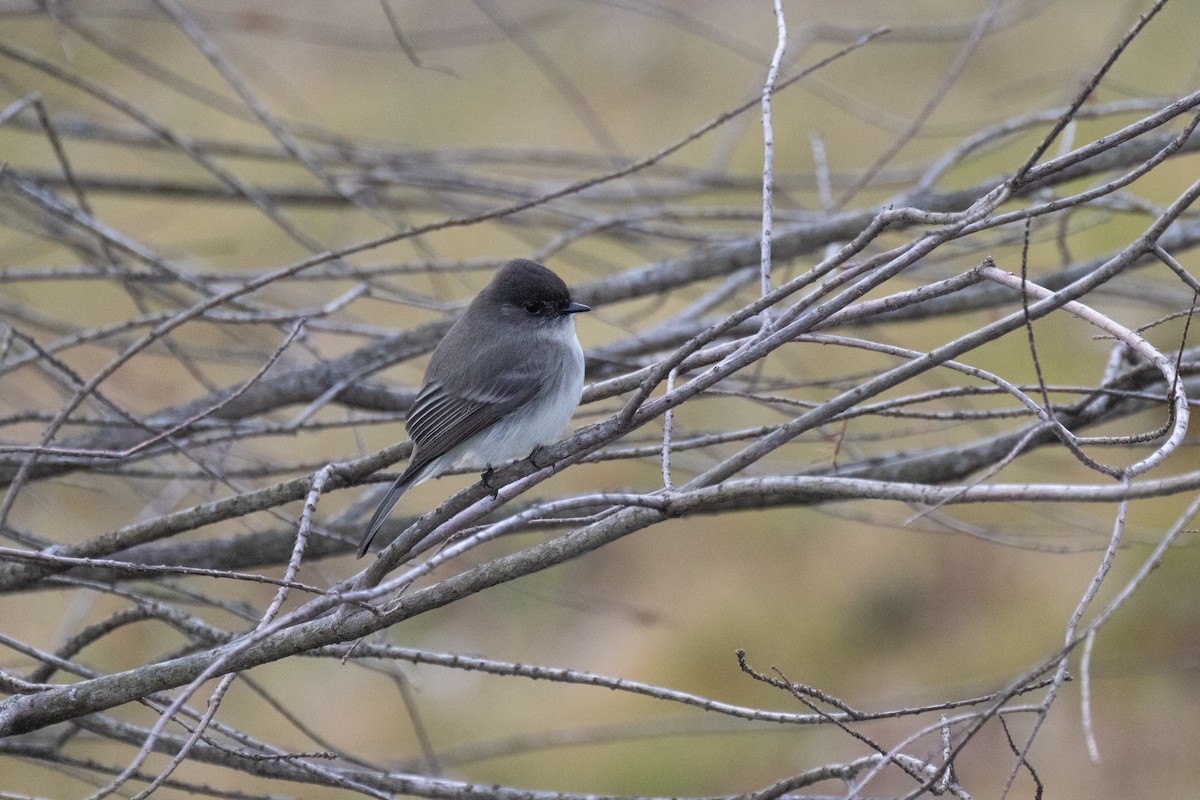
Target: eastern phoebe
503	381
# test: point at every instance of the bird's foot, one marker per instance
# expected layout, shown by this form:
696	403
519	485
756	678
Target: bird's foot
486	478
532	457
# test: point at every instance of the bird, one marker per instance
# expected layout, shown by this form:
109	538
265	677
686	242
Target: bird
504	380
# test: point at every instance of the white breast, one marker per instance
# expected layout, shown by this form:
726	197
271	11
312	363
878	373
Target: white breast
541	422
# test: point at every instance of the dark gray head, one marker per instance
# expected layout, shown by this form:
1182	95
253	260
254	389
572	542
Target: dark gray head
525	290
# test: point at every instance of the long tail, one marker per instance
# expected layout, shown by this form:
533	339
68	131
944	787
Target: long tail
406	479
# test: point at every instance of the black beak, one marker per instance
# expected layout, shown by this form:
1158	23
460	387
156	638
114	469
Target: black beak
577	308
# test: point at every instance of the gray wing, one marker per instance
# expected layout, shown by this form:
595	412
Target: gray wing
459	401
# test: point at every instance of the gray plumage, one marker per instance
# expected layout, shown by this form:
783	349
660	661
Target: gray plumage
504	380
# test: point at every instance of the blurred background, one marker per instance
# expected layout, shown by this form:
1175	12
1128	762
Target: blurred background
477	106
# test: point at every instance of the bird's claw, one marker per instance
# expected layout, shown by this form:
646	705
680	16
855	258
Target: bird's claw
486	479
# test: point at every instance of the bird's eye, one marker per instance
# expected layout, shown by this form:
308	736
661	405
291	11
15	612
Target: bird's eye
532	308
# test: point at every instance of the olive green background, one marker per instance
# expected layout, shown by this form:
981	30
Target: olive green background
848	598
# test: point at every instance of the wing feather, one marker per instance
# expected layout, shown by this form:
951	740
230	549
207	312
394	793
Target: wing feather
457	402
